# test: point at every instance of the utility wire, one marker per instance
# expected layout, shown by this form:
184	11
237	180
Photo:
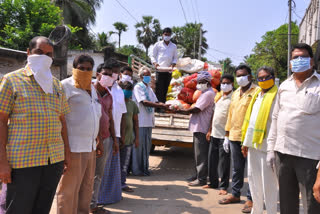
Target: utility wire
127	11
194	11
184	13
197	9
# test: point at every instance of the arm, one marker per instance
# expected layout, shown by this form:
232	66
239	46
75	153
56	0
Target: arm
5	168
64	134
154	56
272	135
136	129
175	57
188	111
155	105
316	187
122	130
210	129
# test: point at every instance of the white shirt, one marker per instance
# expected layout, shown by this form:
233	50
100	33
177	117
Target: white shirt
296	119
84	117
220	116
252	123
118	107
163	54
146	119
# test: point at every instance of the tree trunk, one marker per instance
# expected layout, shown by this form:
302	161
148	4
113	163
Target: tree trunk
119	39
147	51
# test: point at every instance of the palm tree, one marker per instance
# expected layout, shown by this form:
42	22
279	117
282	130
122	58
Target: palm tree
148	31
120	27
227	65
102	41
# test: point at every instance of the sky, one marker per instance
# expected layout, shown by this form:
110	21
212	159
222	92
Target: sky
234	26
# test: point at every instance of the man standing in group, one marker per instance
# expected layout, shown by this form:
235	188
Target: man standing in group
164	54
294	138
34	144
237	110
216	134
75	188
255	129
199	125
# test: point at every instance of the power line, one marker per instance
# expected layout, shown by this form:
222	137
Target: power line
194	11
226	53
197	9
184	14
127	10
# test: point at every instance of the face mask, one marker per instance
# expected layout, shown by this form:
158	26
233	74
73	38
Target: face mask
82	79
167	38
127	93
202	87
40	67
226	87
300	64
147	79
266	84
106	81
115	76
243	81
126	78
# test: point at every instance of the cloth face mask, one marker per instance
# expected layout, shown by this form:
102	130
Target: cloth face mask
202	87
300	64
147	79
127	93
125	78
266	84
82	79
106	81
115	76
226	87
167	38
243	81
40	67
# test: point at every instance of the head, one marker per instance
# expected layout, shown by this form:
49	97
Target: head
203	80
127	88
243	75
145	74
114	66
40	45
126	70
301	58
166	34
83	62
227	82
266	77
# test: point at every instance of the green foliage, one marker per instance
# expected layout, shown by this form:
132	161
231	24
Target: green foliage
130	49
272	50
148	31
187	39
120	27
227	65
21	20
102	41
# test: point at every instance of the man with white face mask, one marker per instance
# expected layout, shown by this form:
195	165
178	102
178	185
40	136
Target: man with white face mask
294	138
164	54
237	110
34	146
216	134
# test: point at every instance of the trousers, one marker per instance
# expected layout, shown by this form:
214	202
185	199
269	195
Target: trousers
163	80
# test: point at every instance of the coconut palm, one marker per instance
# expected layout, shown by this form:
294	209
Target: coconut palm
148	31
103	41
120	27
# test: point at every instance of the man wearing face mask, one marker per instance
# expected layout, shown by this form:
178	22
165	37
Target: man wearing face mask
146	101
75	187
216	134
34	144
239	103
199	125
164	54
255	129
294	138
126	74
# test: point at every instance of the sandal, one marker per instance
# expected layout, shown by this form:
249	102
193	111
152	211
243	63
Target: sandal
247	207
99	210
230	200
127	189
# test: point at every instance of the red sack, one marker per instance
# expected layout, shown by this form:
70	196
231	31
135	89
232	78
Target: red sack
184	104
216	75
196	96
192	84
188	78
186	95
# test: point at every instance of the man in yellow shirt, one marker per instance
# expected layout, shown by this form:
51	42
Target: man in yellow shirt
238	107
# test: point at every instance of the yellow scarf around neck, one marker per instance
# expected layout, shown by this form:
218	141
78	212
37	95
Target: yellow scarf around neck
260	128
82	79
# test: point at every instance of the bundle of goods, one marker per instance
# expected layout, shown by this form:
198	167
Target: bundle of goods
183	93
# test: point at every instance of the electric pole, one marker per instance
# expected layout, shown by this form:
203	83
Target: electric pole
200	42
289	36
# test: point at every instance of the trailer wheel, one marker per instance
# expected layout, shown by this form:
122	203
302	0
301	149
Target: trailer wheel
152	148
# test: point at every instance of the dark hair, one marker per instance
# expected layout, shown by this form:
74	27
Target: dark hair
127	85
126	68
303	46
243	66
167	30
228	76
33	42
81	59
99	68
111	63
267	69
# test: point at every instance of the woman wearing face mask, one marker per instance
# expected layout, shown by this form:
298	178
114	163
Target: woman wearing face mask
199	124
146	101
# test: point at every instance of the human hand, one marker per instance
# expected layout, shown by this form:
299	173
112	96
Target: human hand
67	159
115	148
244	151
316	189
208	136
156	65
100	149
271	159
136	143
5	172
226	144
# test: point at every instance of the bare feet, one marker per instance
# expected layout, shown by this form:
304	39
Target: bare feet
223	192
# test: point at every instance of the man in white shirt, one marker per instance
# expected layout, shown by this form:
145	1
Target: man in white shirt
164	54
255	129
75	187
294	138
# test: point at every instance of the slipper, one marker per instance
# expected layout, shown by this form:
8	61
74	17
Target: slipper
247	207
127	189
230	200
100	210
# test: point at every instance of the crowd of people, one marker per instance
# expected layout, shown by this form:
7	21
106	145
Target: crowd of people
79	138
